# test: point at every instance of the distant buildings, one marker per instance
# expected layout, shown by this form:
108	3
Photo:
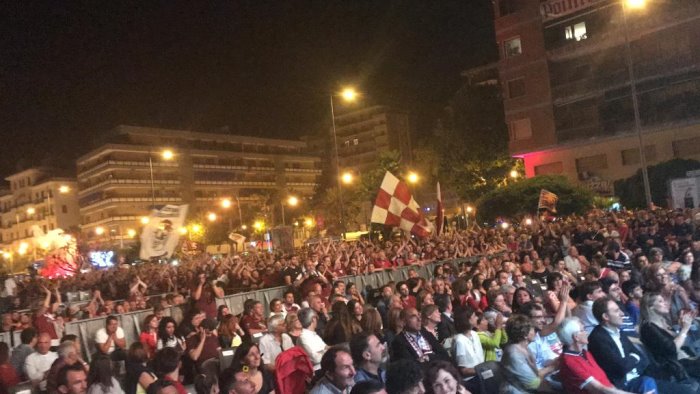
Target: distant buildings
566	85
36	197
121	181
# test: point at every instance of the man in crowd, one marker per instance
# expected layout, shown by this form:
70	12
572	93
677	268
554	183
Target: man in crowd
613	290
338	372
316	303
407	300
384	303
20	352
404	377
72	379
205	345
367	355
633	291
68	354
415	343
271	343
110	339
446	327
588	292
38	363
289	305
167	365
309	340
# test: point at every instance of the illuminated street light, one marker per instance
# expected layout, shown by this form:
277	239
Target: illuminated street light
6	255
63	189
23	246
349	94
347	177
211	216
470	209
244	227
31	211
636	4
514	174
99	230
258	225
308	222
226	203
293	201
196	228
412	177
145	220
183	230
167	154
131	233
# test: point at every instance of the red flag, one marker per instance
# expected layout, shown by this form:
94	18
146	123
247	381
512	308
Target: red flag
395	206
440	220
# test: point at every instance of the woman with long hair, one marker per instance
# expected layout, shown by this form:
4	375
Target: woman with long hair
138	375
342	325
248	360
167	336
355	309
230	332
290	338
372	323
221	312
657	280
101	380
353	293
521	297
149	335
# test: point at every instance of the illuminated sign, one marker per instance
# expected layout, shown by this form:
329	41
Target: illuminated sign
553	9
102	259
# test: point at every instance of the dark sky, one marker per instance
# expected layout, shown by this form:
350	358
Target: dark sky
70	70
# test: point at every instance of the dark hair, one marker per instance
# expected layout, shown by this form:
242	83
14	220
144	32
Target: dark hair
517	307
328	359
137	353
434	368
219	312
606	282
4	353
528	307
69	337
462	318
62	379
101	371
629	286
553	277
203	383
370	386
518	328
162	328
442	303
166	361
27	335
586	288
402	375
146	323
110	318
600	306
241	352
358	345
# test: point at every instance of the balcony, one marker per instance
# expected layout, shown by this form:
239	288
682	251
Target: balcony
128	182
118	200
125	164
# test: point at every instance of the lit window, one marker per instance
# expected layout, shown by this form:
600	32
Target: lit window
513	47
576	32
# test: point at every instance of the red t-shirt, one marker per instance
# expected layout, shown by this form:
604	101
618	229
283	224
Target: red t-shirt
409	302
178	386
8	377
578	370
44	324
149	341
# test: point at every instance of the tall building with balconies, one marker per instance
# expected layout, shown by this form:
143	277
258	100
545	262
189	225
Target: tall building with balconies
128	176
39	197
567	87
363	133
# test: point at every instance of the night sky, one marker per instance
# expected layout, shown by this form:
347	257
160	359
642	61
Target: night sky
71	70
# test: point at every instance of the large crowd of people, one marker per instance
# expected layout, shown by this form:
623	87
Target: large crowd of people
601	303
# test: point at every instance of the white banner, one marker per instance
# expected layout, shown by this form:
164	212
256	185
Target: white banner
553	9
161	235
685	193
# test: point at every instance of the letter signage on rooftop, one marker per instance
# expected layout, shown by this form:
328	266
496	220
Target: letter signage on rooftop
554	9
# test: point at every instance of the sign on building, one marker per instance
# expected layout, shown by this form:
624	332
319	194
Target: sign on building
685	193
554	9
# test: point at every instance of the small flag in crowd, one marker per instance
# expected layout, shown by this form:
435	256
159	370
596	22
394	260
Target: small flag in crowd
395	206
440	219
548	201
160	236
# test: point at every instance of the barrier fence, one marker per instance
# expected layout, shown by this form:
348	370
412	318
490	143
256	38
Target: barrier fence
131	322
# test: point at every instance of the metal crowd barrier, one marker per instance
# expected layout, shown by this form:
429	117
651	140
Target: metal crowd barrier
131	322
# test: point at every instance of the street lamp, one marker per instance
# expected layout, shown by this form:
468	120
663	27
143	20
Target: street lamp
226	203
63	189
347	177
131	233
292	201
348	94
635	5
513	174
99	230
31	211
145	220
412	177
166	154
211	216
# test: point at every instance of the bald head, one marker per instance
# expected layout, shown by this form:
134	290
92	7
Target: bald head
43	345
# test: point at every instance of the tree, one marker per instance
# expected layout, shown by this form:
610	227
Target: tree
521	197
631	190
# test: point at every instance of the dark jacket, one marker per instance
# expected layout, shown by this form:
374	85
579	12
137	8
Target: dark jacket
402	349
608	356
660	345
446	328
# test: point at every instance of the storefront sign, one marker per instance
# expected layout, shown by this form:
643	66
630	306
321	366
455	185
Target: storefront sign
604	188
553	9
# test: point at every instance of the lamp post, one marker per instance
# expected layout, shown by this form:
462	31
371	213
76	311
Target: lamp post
226	204
166	154
292	201
349	95
635	4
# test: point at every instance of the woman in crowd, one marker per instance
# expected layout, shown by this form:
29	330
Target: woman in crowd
149	335
221	312
101	380
342	325
167	337
442	377
491	335
138	375
497	303
230	332
276	308
394	325
539	271
551	301
662	341
8	374
478	293
518	364
355	309
466	345
372	323
425	298
290	338
657	280
353	293
521	297
248	361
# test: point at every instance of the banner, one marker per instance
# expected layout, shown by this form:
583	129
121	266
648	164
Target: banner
548	201
396	207
553	9
440	219
161	235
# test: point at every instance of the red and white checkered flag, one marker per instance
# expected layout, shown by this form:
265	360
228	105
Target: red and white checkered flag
395	206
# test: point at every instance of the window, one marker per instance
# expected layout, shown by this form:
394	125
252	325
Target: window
516	88
520	129
64	209
588	166
512	47
355	141
686	147
576	32
549	168
631	156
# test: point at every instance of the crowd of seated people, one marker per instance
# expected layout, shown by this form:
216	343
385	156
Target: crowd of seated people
604	303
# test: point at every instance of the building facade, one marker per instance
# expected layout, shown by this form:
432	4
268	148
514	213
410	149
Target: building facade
128	176
567	92
36	197
362	134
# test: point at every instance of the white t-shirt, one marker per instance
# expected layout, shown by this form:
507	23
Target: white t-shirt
36	365
10	287
101	337
467	350
313	345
